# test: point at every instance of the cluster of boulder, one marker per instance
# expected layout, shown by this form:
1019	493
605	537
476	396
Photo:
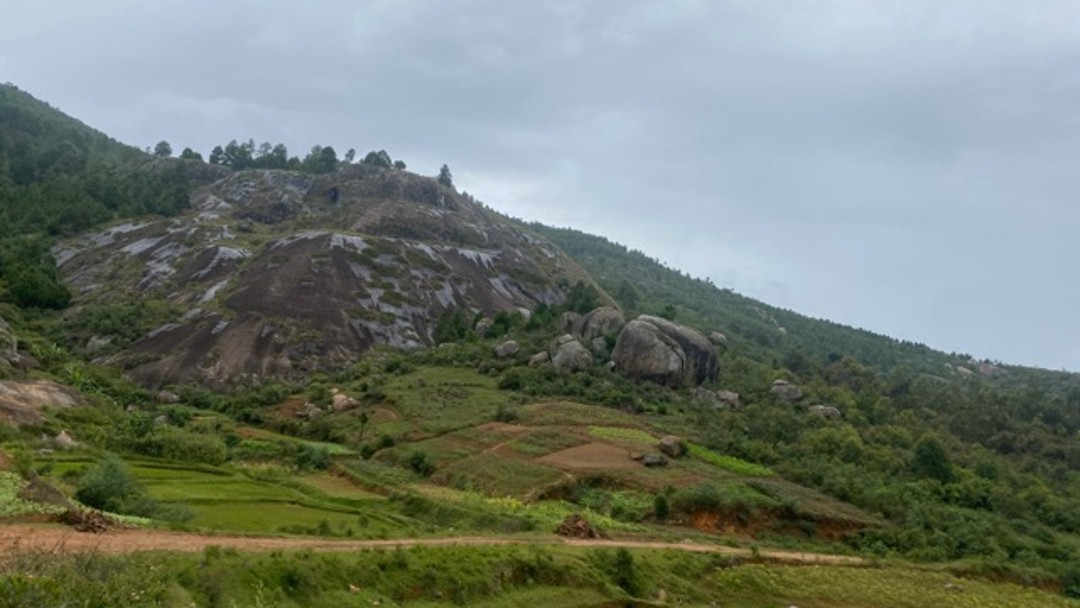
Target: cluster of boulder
653	349
646	348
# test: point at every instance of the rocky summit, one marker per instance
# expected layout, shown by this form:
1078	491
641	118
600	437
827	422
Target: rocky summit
275	273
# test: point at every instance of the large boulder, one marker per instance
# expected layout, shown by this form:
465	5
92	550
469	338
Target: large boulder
598	323
569	355
672	446
340	402
568	322
507	349
825	411
717	399
655	349
539	359
729	398
786	390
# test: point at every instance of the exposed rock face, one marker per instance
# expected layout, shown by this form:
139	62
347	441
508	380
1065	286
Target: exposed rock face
717	338
656	349
786	390
672	446
167	397
10	356
825	411
599	345
569	355
507	349
279	274
9	345
21	400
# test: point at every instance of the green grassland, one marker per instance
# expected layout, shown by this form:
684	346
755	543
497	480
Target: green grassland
489	576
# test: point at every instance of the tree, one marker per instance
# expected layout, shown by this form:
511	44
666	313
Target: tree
217	156
320	160
445	177
399	165
378	159
627	295
350	155
163	149
582	298
931	460
189	154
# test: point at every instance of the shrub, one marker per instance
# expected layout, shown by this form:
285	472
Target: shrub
661	507
421	463
624	573
110	486
504	413
182	444
310	457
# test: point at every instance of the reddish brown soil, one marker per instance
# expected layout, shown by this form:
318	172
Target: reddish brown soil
591	456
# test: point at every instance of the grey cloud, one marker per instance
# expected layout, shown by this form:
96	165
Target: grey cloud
906	167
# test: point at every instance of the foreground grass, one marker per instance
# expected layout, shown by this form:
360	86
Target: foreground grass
484	576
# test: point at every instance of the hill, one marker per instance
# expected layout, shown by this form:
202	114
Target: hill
272	346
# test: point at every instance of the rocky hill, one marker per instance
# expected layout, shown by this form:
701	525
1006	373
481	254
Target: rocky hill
275	273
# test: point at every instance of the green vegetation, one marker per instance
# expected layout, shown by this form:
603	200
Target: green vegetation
632	436
938	465
110	486
483	576
728	463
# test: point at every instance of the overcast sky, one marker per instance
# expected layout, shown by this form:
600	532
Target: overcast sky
908	167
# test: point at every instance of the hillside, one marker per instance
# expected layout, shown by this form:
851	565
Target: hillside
278	274
333	350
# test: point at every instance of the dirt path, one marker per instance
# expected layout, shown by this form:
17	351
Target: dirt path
63	540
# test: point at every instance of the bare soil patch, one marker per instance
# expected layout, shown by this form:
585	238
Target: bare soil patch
594	455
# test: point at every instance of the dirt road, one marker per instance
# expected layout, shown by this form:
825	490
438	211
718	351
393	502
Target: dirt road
64	540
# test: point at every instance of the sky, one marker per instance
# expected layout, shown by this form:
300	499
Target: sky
910	168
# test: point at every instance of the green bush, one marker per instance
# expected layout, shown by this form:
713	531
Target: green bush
421	463
110	486
314	458
181	444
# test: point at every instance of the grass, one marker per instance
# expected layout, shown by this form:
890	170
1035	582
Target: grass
631	436
258	517
568	413
495	475
335	486
436	400
10	503
763	586
221	490
543	441
334	449
492	577
728	463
